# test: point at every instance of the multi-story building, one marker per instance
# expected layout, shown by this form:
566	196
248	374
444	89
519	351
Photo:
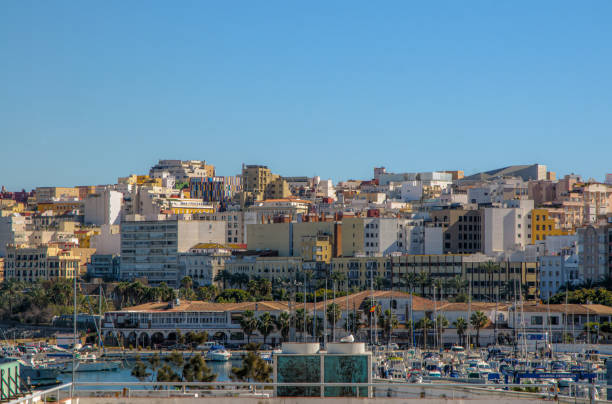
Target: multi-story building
594	252
557	271
236	223
597	201
12	231
363	272
203	262
543	225
507	228
1	269
60	207
255	179
32	264
152	324
286	238
269	209
149	248
480	276
103	208
182	171
215	189
105	266
51	194
462	229
285	268
259	183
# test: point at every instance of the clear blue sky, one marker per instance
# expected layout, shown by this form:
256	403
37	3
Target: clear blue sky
90	91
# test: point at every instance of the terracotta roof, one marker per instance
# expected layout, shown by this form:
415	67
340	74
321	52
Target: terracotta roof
356	300
192	306
569	308
475	306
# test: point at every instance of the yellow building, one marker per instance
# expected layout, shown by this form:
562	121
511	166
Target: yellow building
134	179
191	206
48	194
86	190
60	207
84	236
347	237
363	272
265	267
32	264
543	225
317	248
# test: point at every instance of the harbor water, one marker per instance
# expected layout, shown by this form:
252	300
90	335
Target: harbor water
124	374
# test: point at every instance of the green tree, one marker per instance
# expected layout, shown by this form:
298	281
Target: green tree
253	369
233	296
388	322
461	325
140	370
424	324
224	277
424	281
441	324
298	320
478	320
175	358
248	324
283	324
265	325
355	322
207	293
187	282
196	370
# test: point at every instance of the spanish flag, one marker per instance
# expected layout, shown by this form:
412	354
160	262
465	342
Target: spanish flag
372	309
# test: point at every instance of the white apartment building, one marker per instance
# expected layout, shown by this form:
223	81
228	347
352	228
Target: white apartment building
202	265
182	170
593	253
12	231
557	271
236	224
103	208
507	228
150	248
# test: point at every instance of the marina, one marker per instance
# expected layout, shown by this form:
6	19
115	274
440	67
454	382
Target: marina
578	374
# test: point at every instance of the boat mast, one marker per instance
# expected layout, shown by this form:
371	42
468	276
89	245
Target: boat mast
74	335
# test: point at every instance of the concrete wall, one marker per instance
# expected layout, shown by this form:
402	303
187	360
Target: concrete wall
192	232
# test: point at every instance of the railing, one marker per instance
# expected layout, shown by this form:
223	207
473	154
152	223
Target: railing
398	389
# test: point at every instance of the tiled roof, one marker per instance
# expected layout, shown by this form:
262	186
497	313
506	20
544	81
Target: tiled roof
193	306
356	300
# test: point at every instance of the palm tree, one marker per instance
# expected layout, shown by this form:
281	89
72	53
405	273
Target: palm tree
424	281
333	315
491	268
478	320
265	325
424	324
354	322
461	326
411	279
248	323
298	320
439	284
224	277
283	324
187	282
388	322
441	324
